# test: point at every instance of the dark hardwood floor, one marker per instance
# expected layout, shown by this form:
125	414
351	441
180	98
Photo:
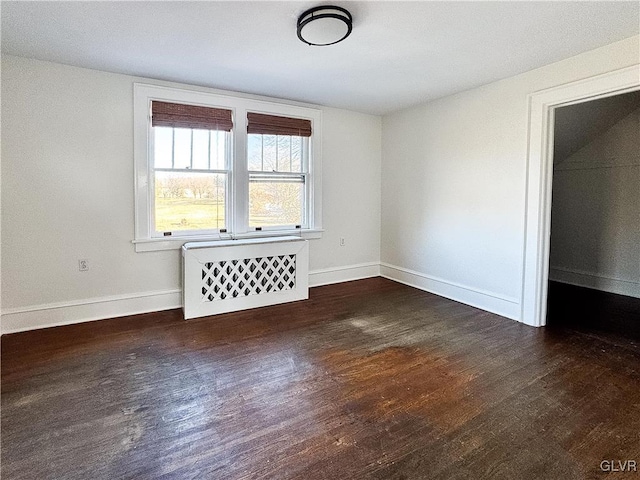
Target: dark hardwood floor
610	316
365	380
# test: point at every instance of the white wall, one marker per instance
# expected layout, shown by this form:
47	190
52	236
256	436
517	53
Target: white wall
453	191
67	193
595	222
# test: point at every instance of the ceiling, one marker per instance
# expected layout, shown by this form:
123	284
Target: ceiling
399	54
577	125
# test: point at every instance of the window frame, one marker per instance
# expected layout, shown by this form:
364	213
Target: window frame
238	177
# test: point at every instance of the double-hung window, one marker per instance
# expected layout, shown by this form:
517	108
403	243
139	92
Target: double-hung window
190	165
278	160
210	166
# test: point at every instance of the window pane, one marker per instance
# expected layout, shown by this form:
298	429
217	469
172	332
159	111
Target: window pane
274	203
182	148
218	149
163	146
189	201
296	154
275	153
201	149
269	153
254	152
284	153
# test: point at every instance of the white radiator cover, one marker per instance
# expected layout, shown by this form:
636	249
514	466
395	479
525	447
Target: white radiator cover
230	275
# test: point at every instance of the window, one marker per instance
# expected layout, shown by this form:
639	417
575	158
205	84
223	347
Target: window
190	152
278	170
214	167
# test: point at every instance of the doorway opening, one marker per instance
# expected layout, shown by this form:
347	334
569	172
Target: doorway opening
542	106
594	253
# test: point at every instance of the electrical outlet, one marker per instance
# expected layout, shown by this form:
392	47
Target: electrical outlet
341	241
83	265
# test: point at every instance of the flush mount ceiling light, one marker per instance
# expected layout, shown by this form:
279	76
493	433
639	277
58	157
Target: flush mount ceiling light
324	25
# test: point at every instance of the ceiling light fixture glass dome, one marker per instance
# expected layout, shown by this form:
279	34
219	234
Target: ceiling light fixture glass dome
325	25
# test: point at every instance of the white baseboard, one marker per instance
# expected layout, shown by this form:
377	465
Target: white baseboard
327	276
65	313
595	281
492	302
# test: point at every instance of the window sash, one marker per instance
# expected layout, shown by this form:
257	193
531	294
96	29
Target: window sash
303	154
215	139
262	178
190	232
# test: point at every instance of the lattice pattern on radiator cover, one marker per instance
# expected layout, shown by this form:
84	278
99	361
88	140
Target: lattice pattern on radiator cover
248	276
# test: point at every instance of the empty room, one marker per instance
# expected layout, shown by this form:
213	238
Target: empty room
308	240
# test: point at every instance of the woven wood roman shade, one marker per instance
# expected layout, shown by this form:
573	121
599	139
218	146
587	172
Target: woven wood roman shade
273	125
164	114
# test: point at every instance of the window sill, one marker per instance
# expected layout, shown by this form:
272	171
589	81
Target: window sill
175	243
